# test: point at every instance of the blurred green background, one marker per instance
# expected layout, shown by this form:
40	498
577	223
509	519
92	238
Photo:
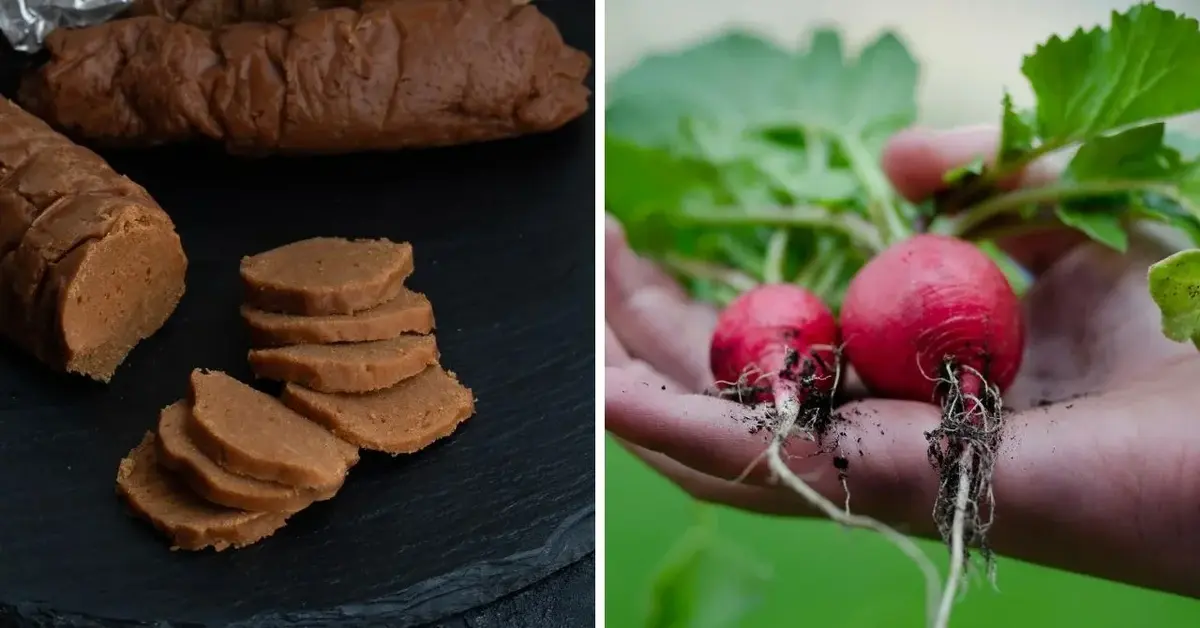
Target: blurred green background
820	575
811	572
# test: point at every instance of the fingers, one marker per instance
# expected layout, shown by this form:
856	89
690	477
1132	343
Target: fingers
694	429
614	351
652	317
889	475
636	370
1119	337
709	489
917	160
1106	485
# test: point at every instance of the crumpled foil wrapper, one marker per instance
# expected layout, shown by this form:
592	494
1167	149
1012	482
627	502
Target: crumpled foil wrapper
26	23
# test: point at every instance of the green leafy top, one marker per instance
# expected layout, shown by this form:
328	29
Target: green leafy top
770	159
746	85
650	103
1175	287
1104	91
1143	67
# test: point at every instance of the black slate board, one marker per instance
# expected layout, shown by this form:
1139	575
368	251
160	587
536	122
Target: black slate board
504	242
565	599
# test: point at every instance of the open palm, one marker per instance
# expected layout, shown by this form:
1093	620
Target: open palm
1100	470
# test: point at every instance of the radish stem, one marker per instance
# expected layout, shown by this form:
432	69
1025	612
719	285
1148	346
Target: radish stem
862	233
696	269
776	252
965	223
882	203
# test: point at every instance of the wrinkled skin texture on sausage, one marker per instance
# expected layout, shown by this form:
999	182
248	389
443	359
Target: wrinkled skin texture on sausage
401	74
89	263
210	14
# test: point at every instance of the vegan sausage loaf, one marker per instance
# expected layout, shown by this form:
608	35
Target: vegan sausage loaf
229	465
251	433
389	395
399	74
89	264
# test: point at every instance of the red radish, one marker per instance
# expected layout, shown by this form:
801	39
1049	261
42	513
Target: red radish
924	302
934	319
774	332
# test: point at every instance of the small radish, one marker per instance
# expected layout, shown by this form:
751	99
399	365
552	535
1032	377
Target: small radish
768	339
934	319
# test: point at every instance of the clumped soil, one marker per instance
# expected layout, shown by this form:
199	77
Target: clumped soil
819	422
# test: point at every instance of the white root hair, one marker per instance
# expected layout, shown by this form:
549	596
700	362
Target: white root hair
789	425
969	421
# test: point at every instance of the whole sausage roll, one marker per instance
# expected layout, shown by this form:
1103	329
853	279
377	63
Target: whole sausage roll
89	264
399	74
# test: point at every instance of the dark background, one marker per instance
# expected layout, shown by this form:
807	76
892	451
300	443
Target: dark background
504	243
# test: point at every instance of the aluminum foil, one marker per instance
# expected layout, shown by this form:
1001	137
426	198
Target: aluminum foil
25	23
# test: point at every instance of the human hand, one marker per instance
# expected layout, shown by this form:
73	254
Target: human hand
1099	472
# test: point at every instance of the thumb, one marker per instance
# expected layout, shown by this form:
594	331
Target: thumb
917	160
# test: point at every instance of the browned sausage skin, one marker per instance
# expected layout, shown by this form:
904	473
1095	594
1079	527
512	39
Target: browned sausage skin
399	74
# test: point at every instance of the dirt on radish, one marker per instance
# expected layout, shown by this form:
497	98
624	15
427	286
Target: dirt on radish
778	344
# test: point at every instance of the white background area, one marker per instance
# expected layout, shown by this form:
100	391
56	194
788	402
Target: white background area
969	50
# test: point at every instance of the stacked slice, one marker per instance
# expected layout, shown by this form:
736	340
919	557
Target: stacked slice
333	319
229	465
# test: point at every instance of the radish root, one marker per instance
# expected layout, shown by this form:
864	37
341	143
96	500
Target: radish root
963	450
795	420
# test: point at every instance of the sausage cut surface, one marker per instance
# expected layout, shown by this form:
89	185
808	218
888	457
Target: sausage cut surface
89	264
206	478
408	312
402	419
191	522
350	368
251	433
322	276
